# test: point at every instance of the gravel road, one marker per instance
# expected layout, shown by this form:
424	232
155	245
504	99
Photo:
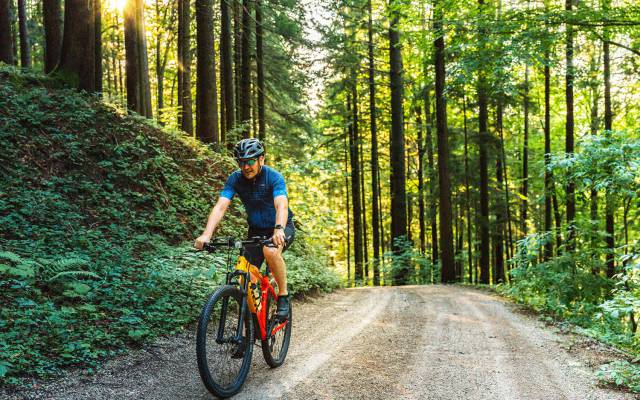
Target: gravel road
411	342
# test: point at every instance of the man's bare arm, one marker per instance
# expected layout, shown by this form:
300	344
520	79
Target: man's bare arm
215	217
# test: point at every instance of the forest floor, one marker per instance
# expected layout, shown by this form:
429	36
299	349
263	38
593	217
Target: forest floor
411	342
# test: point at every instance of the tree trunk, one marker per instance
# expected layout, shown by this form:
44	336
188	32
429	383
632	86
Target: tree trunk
25	48
6	41
161	58
77	64
138	90
226	69
206	96
433	206
98	43
237	56
363	196
52	15
346	185
245	72
569	138
375	194
548	185
260	72
421	208
608	126
499	226
467	189
355	187
397	150
446	234
525	155
185	114
507	203
383	246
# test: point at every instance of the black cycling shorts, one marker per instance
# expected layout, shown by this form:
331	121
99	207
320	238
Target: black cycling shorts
254	254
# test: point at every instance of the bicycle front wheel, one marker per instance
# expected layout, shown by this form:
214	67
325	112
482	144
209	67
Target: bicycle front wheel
223	347
276	346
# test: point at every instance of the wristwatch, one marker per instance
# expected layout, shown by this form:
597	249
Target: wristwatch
278	227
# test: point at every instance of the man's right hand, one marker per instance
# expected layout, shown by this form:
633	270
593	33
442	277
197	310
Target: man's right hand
200	241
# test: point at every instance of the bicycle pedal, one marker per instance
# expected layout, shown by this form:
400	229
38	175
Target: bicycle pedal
239	353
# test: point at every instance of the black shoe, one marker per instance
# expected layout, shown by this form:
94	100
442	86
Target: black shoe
283	308
239	353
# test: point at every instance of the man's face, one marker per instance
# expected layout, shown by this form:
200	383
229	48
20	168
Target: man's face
250	166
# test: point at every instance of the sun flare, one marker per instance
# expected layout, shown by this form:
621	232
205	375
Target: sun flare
116	4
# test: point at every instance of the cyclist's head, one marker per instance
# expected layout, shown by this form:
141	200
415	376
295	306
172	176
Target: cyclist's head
248	148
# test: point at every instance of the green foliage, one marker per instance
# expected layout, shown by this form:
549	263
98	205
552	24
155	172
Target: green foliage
420	269
622	374
95	209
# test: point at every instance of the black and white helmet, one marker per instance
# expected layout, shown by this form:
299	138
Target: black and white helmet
248	148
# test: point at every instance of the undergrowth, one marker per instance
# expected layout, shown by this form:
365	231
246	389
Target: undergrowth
98	211
571	288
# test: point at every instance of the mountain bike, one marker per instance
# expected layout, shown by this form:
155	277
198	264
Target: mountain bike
225	335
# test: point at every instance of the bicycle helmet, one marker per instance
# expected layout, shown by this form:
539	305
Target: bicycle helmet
248	148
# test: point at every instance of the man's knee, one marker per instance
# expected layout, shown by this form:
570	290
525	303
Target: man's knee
272	253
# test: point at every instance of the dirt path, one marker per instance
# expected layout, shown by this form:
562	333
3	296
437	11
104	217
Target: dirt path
414	342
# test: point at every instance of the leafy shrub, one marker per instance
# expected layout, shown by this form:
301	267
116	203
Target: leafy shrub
420	269
622	374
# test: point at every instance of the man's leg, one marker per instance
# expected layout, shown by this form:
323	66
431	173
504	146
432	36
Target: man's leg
277	268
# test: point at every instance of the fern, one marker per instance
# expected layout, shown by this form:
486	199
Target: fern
74	274
7	255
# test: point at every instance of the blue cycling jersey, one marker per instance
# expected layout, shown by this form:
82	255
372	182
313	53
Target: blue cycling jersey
257	195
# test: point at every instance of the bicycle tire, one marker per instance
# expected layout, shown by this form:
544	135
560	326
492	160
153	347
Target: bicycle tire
223	366
276	346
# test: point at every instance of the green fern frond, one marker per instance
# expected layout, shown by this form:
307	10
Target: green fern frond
7	255
74	274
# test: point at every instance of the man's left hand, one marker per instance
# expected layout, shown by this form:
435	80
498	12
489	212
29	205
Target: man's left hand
278	237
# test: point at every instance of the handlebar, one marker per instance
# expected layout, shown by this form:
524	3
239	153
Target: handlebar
231	242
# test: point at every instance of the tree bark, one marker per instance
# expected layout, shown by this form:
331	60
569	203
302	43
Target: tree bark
397	150
548	186
363	197
137	70
98	43
77	64
237	56
498	243
355	187
375	210
185	114
6	41
483	137
433	206
467	189
421	207
569	138
245	72
525	155
260	72
446	233
206	96
346	185
226	69
25	48
608	126
52	15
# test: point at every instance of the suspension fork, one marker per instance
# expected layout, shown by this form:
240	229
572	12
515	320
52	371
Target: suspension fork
225	305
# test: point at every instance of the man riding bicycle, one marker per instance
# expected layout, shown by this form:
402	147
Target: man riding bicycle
264	194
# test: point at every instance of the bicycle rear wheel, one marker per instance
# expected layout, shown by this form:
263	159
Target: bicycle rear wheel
276	345
224	358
